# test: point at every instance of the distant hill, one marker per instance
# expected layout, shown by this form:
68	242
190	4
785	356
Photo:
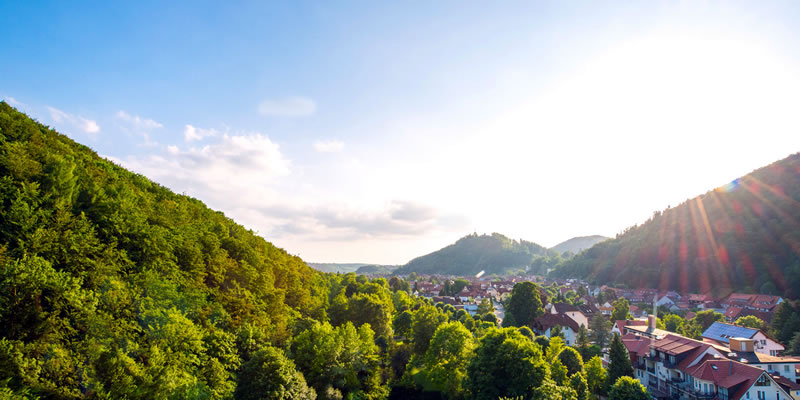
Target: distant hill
578	244
337	267
377	269
744	236
359	268
494	254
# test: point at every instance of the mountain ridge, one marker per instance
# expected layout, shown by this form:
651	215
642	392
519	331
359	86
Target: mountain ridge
578	243
742	236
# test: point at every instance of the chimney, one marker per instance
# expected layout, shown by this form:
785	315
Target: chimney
651	322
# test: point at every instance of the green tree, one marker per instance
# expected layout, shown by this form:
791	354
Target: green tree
445	363
486	306
750	321
505	364
268	374
628	388
550	390
596	376
578	383
402	323
426	320
622	310
558	372
674	323
619	362
600	330
572	360
554	348
342	358
794	345
525	303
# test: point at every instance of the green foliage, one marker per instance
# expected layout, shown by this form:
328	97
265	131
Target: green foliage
750	321
786	322
550	390
344	358
494	254
445	362
600	330
596	376
426	320
628	388
558	372
619	362
674	323
505	364
485	307
793	347
578	383
701	321
572	360
745	243
622	310
525	304
402	323
268	374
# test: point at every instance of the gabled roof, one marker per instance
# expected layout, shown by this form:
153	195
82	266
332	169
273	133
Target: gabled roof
722	332
638	346
548	321
564	307
735	376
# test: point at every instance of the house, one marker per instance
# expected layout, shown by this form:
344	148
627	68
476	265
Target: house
619	326
572	312
677	367
721	333
569	328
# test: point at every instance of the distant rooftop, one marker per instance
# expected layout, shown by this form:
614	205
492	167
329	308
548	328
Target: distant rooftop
722	332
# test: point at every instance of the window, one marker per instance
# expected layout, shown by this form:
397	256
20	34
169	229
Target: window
762	381
785	368
769	367
763	342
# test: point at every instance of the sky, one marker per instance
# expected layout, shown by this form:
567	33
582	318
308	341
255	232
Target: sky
377	132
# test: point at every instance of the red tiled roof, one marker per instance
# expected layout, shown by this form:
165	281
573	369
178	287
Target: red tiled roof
728	374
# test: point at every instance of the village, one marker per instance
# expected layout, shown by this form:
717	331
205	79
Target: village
728	362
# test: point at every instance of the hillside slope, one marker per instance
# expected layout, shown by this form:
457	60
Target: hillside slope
744	236
111	283
494	254
578	244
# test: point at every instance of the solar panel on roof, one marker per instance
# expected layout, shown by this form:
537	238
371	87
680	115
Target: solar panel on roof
723	332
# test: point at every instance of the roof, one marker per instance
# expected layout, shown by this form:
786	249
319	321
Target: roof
635	322
659	333
588	309
722	332
548	321
638	346
676	344
734	376
564	307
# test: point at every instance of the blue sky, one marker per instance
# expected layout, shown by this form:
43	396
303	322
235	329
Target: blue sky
378	131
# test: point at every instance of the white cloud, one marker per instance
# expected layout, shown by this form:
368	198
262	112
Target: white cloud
137	121
13	101
289	107
192	133
328	146
76	121
239	165
136	125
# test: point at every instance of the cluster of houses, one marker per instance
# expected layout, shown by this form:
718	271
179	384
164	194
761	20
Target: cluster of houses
729	363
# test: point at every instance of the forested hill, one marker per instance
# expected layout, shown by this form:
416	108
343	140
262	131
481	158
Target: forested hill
107	278
578	244
744	236
494	254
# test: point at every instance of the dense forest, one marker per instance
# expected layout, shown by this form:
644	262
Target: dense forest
744	236
493	254
113	287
